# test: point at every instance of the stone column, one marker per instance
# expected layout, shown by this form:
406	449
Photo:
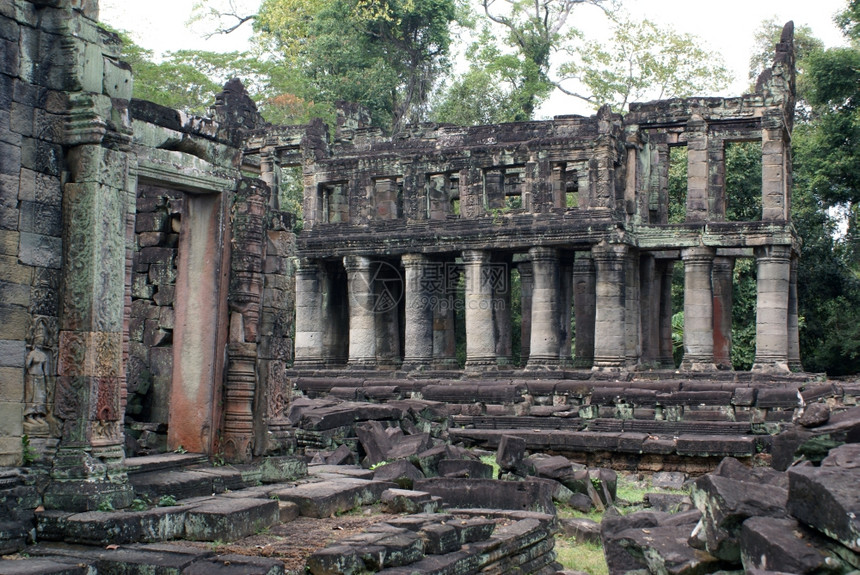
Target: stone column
88	469
310	320
526	289
666	358
584	283
632	314
610	348
649	308
480	335
418	344
772	303
794	362
775	156
721	281
565	289
444	333
698	310
362	317
545	309
502	311
697	169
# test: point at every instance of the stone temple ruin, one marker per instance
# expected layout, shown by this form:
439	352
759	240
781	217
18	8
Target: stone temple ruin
154	297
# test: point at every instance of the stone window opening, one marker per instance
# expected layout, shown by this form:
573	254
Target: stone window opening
504	189
742	180
677	184
334	202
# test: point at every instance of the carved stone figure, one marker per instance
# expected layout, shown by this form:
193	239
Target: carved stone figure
37	369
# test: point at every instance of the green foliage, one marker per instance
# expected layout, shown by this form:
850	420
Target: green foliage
491	461
645	61
167	501
383	54
139	504
105	506
768	35
28	454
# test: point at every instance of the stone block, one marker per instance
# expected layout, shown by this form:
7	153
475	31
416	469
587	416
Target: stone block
465	468
490	494
140	560
150	222
335	560
783	545
405	501
401	472
327	498
165	295
9	242
510	453
38	250
280	469
43	566
725	503
12	384
827	498
12	353
230	519
14	294
120	527
440	539
846	456
11	418
14	322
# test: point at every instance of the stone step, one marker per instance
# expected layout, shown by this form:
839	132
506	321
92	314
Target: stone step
563	441
61	559
163	462
332	496
198	482
210	519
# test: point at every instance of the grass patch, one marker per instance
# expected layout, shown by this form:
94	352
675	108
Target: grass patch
491	461
586	557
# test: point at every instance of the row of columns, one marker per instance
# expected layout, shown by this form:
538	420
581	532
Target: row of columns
622	305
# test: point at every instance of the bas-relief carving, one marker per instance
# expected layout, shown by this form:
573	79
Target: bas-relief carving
39	380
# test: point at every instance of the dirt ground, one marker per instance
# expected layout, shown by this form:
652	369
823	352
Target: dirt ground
293	542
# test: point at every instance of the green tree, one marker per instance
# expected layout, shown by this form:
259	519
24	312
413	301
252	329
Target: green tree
642	61
383	54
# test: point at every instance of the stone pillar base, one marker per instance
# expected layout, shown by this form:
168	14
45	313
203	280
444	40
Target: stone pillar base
306	363
583	362
481	364
774	367
543	363
446	363
697	365
81	482
363	363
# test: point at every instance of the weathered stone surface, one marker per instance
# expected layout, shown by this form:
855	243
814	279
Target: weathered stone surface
814	414
845	456
401	472
235	565
405	501
581	529
511	452
725	503
827	498
465	468
327	498
783	545
490	494
229	519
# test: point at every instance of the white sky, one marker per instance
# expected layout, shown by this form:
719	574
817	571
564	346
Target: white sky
726	27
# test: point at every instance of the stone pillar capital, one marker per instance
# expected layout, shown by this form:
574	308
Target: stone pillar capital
604	252
356	263
413	260
543	254
698	254
476	257
776	254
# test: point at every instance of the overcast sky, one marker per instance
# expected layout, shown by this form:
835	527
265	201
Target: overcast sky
726	27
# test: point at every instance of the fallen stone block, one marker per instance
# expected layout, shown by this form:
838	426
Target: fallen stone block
490	494
409	446
665	550
828	499
229	519
341	455
330	497
335	560
613	530
287	511
440	539
236	565
401	472
668	480
846	456
281	469
581	529
117	527
726	503
353	471
511	452
605	482
406	501
375	442
464	468
668	502
784	545
142	561
44	566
